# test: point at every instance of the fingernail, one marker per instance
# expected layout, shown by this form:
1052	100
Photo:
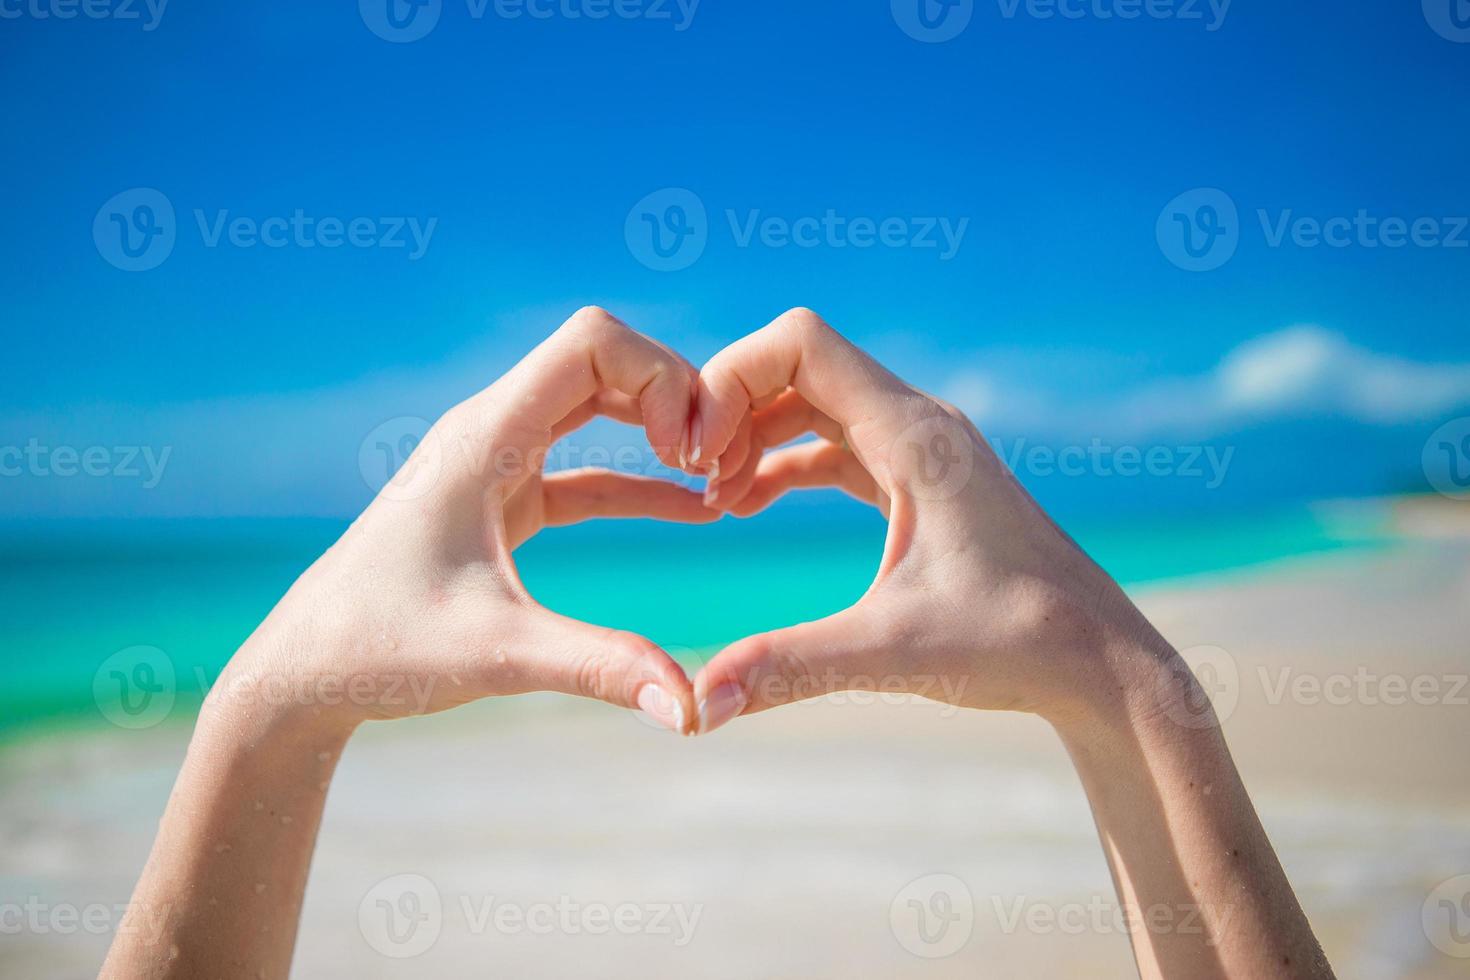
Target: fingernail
656	703
719	706
712	484
696	429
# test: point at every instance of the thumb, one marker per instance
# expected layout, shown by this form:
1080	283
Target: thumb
615	666
786	665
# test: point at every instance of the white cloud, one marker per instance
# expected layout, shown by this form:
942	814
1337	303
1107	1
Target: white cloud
1307	369
1299	372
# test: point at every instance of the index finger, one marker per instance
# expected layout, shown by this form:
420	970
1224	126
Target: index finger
799	350
593	351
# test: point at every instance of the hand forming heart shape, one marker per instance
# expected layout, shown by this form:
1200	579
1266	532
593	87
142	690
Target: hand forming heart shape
975	581
979	601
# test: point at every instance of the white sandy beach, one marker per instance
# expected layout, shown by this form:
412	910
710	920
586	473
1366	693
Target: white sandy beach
781	846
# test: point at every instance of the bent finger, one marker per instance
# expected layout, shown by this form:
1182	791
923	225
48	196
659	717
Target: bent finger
804	466
572	496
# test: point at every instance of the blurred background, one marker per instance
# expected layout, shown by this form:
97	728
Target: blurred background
1197	269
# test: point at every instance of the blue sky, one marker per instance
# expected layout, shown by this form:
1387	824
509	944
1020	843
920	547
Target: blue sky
1050	147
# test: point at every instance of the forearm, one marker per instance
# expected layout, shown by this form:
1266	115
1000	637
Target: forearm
1191	862
221	893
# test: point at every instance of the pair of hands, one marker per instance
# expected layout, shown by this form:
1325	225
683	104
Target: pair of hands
979	600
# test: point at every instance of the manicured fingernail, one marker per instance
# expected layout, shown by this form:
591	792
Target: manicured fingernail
656	703
696	429
719	706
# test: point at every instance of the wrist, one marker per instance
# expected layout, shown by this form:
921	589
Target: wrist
264	693
1137	686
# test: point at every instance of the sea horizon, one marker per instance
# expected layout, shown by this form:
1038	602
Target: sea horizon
76	592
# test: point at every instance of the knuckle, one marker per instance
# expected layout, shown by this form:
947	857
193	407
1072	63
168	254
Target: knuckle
593	678
592	322
806	323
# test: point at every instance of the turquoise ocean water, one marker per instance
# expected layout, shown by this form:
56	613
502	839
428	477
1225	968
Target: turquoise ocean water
72	594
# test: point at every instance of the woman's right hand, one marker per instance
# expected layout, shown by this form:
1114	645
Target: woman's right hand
980	599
